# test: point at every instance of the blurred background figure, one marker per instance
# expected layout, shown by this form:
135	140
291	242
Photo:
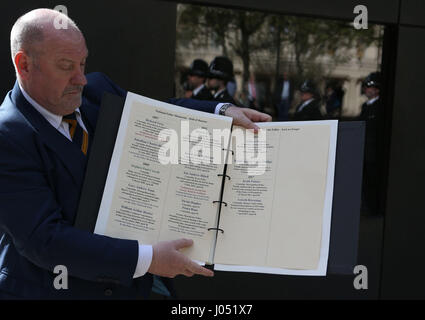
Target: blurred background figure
187	93
197	75
371	88
252	92
371	110
309	107
219	74
232	87
334	95
283	96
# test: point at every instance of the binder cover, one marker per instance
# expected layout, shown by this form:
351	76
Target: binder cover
347	183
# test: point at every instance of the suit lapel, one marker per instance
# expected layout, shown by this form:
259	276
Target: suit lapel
89	114
66	151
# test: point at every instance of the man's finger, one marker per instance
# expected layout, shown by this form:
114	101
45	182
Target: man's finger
188	273
183	243
197	269
244	121
257	116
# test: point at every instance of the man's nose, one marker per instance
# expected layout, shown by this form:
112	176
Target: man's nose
79	79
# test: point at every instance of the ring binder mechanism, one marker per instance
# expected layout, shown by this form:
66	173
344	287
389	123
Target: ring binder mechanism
223	175
225	203
237	250
229	150
218	229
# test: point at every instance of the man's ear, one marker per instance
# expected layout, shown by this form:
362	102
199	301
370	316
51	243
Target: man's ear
22	64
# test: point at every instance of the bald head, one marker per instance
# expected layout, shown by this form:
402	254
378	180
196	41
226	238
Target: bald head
33	28
49	54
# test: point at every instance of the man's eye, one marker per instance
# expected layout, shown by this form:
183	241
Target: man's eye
66	67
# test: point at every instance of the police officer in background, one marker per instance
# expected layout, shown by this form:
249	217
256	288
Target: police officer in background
196	77
370	110
309	108
370	113
371	89
220	72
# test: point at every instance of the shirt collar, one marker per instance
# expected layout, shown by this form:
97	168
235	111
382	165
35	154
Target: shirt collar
196	91
369	102
54	119
305	104
219	92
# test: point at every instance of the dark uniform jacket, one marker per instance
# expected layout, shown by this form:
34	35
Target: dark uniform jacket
369	114
203	94
309	112
373	152
224	96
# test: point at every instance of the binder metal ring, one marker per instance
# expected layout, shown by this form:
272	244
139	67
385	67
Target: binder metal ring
228	150
225	203
224	175
218	229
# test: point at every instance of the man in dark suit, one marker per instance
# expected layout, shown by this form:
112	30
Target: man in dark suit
309	108
196	78
46	125
283	96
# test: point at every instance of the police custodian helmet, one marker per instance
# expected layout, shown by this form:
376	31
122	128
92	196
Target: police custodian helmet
308	86
373	80
221	68
198	68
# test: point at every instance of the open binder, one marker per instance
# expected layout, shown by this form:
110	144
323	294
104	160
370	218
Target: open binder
346	201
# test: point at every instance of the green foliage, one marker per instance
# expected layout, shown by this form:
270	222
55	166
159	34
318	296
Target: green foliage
245	33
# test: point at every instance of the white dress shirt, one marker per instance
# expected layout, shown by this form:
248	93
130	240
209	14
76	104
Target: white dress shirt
369	102
285	90
145	251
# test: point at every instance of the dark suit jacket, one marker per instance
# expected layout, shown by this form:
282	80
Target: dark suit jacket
41	175
225	97
203	94
309	112
374	126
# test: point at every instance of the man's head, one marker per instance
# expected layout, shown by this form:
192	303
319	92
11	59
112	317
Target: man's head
197	74
372	85
49	62
307	90
220	72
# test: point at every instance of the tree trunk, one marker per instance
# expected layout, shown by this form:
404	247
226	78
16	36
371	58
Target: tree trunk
223	45
245	54
298	63
278	47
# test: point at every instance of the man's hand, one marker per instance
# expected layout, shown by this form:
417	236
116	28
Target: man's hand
168	261
246	117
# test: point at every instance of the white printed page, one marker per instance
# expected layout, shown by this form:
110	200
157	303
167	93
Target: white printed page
149	201
279	221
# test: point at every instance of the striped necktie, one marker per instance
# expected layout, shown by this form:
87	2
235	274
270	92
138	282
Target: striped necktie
78	135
